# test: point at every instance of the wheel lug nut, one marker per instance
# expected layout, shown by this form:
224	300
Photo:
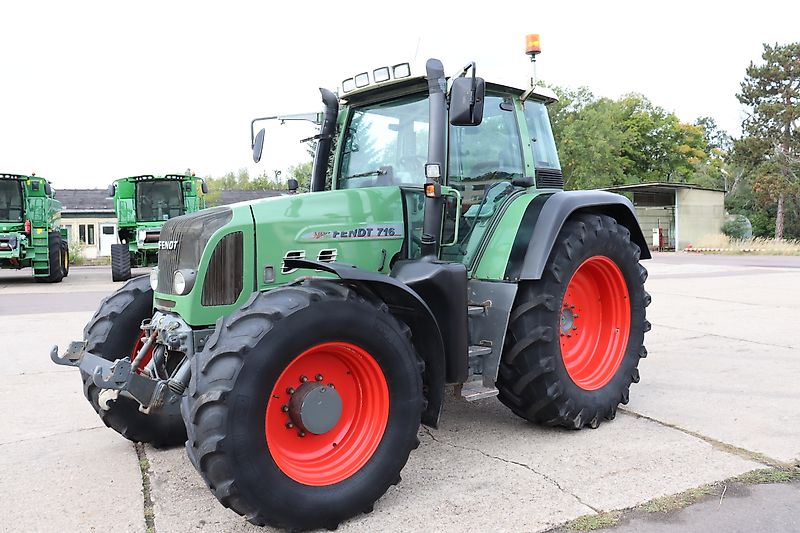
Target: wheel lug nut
330	385
301	434
289	425
303	379
290	390
285	408
572	307
318	377
569	335
574	327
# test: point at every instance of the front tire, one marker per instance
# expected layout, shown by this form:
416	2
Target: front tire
249	436
113	333
575	336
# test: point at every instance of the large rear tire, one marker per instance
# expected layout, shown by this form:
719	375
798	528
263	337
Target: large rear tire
575	337
260	449
113	333
120	262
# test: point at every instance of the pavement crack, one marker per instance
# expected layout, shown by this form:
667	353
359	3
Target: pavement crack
147	500
717	444
515	463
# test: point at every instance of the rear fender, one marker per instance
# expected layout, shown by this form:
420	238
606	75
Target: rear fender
409	307
546	216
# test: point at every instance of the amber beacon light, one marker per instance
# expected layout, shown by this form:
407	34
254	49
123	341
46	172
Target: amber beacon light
532	44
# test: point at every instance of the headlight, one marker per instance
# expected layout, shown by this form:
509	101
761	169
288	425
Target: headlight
154	278
141	236
183	281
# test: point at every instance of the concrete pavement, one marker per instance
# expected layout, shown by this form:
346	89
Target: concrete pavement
718	397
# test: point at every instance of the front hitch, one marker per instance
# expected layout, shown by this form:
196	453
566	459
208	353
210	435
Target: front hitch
118	375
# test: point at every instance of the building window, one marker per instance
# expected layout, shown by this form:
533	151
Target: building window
86	233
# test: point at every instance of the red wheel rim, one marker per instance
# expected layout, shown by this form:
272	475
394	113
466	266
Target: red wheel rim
595	322
337	454
138	346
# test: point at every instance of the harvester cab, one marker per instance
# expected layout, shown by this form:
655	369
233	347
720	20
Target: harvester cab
307	336
30	228
142	205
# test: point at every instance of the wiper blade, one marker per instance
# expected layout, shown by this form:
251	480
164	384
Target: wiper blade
379	172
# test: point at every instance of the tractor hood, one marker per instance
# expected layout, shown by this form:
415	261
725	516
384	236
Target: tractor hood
224	254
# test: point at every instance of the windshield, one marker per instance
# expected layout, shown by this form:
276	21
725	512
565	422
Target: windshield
386	144
158	200
10	201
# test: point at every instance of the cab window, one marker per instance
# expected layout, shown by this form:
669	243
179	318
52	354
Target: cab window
486	154
386	144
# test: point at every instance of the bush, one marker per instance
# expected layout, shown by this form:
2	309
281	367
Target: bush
76	256
738	227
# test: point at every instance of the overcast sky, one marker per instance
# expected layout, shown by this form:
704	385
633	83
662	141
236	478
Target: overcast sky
93	91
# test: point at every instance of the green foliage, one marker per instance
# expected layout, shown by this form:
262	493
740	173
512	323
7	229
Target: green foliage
737	228
76	256
604	142
770	147
241	180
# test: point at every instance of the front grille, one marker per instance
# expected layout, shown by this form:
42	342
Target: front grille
549	178
183	240
223	283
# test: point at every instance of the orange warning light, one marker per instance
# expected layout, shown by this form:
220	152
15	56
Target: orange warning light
532	44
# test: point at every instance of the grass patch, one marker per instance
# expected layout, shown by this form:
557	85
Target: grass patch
591	522
667	504
770	475
752	246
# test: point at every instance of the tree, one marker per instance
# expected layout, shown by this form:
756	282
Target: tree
604	142
771	91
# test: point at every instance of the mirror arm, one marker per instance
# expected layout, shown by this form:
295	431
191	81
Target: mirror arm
309	117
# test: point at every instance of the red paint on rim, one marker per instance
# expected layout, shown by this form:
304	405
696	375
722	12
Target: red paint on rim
138	346
595	322
320	460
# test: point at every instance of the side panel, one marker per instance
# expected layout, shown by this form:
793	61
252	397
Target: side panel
491	263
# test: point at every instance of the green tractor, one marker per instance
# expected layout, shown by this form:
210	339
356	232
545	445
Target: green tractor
143	204
297	343
30	228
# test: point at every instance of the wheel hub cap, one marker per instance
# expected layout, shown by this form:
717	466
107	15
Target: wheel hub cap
315	408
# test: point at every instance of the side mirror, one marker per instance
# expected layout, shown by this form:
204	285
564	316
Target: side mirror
258	146
292	184
110	191
466	101
204	187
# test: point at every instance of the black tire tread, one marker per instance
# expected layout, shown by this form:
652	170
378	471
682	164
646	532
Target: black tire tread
217	367
120	262
161	429
527	382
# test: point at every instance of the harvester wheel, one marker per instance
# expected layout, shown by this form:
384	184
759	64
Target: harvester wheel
65	257
54	260
575	336
120	262
114	333
304	406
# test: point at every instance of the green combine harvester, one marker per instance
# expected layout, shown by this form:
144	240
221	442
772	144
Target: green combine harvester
30	228
143	204
296	343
